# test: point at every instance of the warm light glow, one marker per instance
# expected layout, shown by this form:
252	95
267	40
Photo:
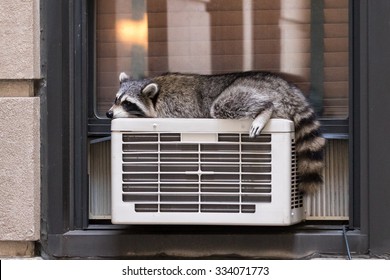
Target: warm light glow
133	31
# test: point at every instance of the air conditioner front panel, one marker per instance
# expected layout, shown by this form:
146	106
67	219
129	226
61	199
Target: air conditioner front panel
203	171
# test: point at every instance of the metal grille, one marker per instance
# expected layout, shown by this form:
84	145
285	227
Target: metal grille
332	201
100	179
164	173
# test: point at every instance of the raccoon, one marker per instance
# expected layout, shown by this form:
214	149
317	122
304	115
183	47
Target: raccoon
245	95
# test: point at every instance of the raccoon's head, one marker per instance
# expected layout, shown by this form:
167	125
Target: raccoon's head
135	99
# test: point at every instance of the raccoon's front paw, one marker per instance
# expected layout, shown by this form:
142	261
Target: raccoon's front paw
260	121
256	127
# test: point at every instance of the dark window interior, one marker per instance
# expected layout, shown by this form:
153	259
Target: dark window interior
306	41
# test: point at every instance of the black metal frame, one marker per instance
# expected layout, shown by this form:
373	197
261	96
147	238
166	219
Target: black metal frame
66	232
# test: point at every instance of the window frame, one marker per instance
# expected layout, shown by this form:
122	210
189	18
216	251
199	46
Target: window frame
66	232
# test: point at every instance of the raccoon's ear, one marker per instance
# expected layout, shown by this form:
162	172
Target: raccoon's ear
150	90
123	77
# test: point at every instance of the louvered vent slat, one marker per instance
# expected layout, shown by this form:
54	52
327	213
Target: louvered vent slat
230	172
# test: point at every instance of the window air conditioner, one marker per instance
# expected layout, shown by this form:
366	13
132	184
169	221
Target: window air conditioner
204	171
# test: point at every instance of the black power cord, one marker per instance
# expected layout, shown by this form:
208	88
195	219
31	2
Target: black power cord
346	243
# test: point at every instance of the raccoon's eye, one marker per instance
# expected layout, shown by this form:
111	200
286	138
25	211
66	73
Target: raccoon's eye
133	109
127	103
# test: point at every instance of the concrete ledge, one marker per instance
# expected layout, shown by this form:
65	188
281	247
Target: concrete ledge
19	169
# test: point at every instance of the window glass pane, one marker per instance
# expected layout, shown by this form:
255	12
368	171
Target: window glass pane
306	41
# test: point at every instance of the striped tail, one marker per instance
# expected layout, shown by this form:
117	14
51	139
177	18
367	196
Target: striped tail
310	149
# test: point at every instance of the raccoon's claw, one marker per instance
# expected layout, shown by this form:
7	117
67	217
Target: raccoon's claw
254	131
256	128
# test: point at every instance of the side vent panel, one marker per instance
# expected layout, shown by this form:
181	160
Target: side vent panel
332	201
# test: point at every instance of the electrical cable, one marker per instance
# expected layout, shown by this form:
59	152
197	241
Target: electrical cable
346	243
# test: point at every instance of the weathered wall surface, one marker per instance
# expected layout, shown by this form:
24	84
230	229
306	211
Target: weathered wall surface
19	39
19	168
19	127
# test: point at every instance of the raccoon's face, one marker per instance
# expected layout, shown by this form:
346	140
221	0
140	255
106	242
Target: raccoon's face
134	99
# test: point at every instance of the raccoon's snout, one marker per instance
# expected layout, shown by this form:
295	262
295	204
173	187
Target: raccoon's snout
110	114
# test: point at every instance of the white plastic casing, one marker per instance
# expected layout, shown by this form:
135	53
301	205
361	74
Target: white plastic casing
204	171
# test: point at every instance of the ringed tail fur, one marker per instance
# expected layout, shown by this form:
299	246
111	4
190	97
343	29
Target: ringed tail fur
310	151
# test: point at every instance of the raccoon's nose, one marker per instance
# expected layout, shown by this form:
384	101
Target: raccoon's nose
110	114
